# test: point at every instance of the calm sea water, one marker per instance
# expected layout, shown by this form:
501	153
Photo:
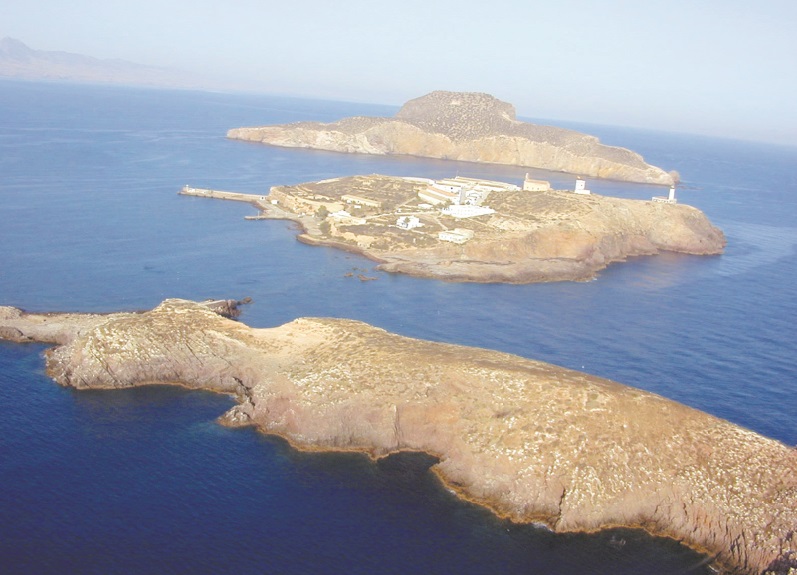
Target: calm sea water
144	481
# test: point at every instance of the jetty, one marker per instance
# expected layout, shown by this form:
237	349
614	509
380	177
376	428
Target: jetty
269	208
222	195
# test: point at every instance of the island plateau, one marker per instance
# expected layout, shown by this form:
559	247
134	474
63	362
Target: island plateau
532	441
465	229
465	126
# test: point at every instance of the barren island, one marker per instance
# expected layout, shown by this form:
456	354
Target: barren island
465	126
532	441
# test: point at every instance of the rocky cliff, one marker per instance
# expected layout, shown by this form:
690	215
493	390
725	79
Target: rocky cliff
530	440
464	126
555	236
531	237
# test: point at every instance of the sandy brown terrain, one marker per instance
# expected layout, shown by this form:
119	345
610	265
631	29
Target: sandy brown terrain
532	441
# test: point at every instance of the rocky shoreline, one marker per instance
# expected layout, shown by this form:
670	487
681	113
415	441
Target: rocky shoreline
540	236
532	441
464	126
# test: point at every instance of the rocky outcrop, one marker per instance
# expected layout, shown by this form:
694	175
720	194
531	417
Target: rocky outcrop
556	236
464	126
533	441
531	236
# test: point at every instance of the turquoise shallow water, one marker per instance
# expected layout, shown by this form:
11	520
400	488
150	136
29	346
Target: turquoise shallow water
144	481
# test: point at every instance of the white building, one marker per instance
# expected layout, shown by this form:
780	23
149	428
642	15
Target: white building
485	185
530	185
461	190
670	199
344	217
409	222
466	211
457	235
581	187
360	201
438	195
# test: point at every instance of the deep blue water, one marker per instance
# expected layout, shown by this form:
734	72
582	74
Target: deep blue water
144	481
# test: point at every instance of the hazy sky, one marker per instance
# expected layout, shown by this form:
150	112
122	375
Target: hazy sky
720	67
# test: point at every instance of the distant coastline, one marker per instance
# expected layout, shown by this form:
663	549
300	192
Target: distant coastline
20	62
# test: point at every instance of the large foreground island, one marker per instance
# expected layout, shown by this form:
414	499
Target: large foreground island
532	441
465	126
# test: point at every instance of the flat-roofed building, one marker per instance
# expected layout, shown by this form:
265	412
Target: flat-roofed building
435	195
409	222
485	185
466	211
530	185
359	200
457	235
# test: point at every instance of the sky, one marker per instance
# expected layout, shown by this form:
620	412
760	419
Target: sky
716	67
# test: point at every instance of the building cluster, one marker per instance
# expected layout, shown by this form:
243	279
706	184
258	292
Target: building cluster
461	191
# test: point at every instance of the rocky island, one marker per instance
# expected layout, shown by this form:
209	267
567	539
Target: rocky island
465	229
465	126
532	441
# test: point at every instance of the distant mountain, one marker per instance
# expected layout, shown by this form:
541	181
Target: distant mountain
19	61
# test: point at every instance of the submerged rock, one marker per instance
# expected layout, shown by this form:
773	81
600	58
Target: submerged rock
532	441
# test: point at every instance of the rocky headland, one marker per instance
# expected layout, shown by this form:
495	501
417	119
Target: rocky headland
465	126
532	441
529	237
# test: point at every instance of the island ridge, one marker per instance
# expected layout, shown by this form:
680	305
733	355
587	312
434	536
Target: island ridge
464	126
532	441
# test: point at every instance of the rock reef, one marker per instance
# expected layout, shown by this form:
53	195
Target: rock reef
532	441
465	126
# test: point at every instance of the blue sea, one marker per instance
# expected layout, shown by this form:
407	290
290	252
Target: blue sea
145	481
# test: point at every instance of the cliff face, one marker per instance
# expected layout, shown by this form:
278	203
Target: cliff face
531	237
469	127
530	440
553	236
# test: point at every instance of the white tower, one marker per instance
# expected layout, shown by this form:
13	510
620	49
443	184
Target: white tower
581	186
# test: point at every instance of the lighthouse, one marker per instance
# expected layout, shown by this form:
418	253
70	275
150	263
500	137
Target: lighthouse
670	199
581	186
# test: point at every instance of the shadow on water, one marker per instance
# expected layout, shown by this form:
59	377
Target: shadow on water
144	480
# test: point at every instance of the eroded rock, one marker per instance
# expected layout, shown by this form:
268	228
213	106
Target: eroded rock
530	440
464	126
